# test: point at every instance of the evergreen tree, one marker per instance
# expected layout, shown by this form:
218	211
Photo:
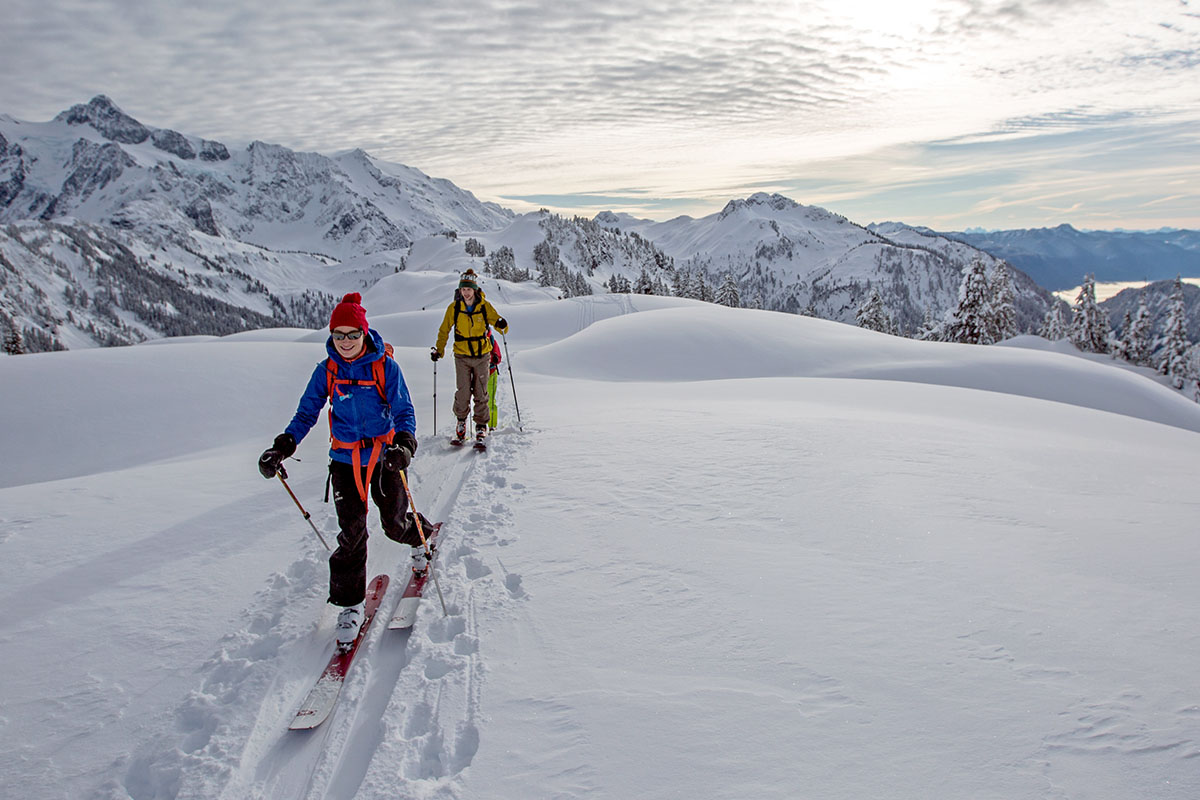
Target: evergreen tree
971	320
728	294
1053	327
1125	345
644	285
873	316
683	284
1089	325
930	330
14	344
1139	352
1134	345
1173	360
475	248
1004	312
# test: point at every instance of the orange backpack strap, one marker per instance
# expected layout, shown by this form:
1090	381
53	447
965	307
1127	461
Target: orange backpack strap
379	381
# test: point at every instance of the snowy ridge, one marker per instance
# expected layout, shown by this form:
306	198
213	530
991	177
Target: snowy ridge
955	566
790	257
274	234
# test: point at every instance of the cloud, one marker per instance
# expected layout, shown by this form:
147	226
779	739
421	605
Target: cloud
519	99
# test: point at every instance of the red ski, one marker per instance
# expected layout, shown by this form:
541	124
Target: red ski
406	610
323	696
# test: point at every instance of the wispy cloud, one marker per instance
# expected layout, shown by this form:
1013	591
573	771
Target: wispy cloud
685	101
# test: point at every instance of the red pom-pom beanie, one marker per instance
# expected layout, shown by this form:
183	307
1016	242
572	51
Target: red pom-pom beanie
349	313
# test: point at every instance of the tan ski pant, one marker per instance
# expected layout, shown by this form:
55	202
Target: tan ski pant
471	376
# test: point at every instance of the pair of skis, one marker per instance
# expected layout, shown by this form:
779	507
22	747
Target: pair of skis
321	699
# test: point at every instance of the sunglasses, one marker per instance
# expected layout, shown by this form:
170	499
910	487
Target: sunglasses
352	335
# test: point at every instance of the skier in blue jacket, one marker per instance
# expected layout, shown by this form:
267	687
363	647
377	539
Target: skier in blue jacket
372	427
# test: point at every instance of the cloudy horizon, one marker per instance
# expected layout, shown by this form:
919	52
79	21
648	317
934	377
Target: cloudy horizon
946	113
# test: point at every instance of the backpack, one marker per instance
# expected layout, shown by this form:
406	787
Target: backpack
496	359
378	380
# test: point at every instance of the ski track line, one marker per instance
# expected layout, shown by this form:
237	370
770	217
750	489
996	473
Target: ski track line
379	668
430	729
407	721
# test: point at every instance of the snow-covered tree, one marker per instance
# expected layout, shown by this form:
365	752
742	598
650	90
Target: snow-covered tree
643	285
971	320
1089	325
1173	356
1053	326
1004	311
684	286
1193	362
873	316
1134	344
501	264
14	343
931	327
475	248
728	294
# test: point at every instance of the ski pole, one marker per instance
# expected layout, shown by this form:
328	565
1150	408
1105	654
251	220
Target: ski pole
428	553
516	402
435	398
282	475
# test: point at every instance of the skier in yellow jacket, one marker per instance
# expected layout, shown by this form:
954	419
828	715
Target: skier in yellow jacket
469	317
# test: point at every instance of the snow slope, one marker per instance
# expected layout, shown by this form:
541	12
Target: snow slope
726	554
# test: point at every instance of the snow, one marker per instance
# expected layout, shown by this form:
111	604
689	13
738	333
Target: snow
723	554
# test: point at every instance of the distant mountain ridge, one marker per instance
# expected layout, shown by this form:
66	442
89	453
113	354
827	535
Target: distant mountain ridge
1059	258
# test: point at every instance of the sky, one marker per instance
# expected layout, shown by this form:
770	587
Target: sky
947	113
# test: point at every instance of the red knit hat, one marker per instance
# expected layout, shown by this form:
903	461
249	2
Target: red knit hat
349	313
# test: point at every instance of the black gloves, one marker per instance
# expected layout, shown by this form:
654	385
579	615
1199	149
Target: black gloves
273	456
434	355
502	324
396	457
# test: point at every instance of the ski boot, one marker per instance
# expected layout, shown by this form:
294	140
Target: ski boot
348	623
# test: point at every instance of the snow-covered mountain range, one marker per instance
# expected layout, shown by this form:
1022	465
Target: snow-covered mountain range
1058	258
117	231
804	259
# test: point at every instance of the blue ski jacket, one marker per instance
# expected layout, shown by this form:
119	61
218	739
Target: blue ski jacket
358	412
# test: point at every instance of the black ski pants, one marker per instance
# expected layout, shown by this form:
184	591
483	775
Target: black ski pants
348	564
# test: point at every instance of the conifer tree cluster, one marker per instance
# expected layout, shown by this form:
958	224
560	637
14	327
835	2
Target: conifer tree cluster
984	310
729	294
1173	358
1135	343
1089	323
1054	327
873	316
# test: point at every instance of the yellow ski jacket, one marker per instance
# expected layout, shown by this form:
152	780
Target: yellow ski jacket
470	327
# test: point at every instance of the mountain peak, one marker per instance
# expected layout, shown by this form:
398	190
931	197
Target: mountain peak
775	201
109	120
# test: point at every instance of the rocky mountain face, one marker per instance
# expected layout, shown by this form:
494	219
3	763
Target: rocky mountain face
1059	258
97	204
